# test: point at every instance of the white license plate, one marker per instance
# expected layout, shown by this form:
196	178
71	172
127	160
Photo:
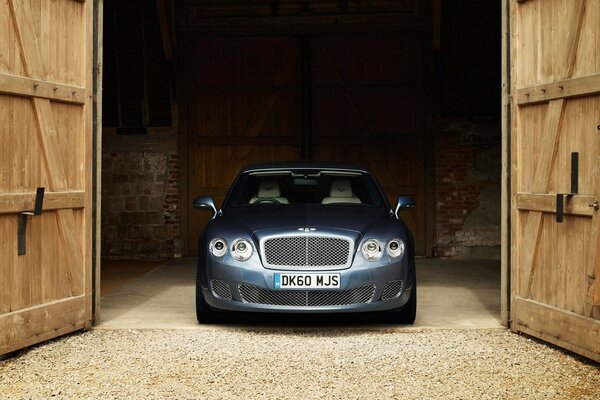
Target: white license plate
306	281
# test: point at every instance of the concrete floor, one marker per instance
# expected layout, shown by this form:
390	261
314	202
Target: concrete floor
452	294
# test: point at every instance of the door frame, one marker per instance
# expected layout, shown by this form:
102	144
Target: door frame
98	13
505	182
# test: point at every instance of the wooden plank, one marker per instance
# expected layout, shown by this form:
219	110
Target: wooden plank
56	175
558	326
576	205
575	24
565	89
223	140
28	42
17	202
26	327
27	87
547	151
543	169
50	144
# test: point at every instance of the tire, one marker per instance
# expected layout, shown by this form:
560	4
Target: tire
408	313
204	314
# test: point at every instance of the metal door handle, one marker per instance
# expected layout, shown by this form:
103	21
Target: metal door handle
595	205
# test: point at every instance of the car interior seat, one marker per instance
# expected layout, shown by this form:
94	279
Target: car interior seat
341	192
269	189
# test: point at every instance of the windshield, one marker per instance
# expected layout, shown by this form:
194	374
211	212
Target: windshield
306	187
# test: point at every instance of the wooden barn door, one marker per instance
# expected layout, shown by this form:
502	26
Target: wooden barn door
345	98
556	159
243	98
368	108
45	141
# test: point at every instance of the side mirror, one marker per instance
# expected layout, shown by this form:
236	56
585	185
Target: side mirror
206	203
404	203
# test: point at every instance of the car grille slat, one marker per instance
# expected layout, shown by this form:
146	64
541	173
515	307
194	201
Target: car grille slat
306	298
314	252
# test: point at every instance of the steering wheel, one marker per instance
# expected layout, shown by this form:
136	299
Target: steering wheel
267	200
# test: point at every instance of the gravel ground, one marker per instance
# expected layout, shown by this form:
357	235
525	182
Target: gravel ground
300	363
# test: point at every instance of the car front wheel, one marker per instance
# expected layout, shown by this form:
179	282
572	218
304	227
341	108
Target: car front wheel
204	314
408	313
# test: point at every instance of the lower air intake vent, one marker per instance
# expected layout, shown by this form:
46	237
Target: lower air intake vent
221	289
305	298
392	290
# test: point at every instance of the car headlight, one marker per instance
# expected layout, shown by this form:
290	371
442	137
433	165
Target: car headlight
395	247
218	247
241	249
371	250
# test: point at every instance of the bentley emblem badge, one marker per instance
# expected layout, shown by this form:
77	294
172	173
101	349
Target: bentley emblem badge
307	229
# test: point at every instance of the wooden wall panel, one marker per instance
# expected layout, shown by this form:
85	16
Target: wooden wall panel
556	265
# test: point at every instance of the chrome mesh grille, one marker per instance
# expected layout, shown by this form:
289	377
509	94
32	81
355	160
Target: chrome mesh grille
221	289
392	290
306	298
307	251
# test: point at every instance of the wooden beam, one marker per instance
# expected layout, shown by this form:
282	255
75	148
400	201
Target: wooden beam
572	47
558	326
42	322
12	203
27	87
304	23
223	140
565	89
576	205
166	30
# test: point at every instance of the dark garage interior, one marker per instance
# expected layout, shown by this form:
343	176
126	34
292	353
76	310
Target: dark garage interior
193	90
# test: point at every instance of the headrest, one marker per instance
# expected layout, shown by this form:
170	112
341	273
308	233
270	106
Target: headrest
268	189
341	188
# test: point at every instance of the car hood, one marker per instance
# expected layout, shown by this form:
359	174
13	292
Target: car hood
268	218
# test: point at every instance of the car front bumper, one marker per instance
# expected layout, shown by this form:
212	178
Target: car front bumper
261	280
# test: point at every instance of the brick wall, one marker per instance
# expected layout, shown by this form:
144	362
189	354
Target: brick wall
140	203
468	170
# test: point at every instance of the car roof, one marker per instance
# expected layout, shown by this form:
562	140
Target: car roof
303	165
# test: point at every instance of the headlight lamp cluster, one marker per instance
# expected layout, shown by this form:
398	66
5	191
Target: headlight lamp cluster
241	249
218	247
372	250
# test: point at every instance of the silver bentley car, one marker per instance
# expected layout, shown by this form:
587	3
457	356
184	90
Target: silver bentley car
306	238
